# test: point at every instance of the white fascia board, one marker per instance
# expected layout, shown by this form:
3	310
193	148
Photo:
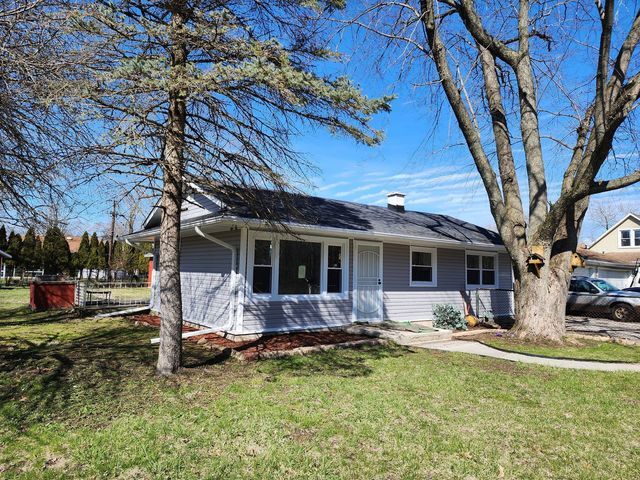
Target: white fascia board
375	236
150	215
326	231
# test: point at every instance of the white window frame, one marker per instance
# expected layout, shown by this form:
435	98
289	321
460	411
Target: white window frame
275	267
632	238
434	266
496	267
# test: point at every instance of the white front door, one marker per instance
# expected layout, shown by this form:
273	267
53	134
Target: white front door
368	282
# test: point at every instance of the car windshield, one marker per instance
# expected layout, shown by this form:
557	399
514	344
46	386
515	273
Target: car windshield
603	285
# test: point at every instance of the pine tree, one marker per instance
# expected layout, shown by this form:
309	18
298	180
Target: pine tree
94	254
3	238
29	250
13	248
102	255
39	254
55	251
83	255
212	90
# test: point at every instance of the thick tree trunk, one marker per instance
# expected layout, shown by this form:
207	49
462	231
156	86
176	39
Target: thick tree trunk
170	353
540	304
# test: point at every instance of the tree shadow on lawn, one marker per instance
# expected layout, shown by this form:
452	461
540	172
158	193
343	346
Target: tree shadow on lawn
69	378
348	363
28	317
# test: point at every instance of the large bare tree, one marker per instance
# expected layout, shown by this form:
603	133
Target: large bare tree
500	66
210	92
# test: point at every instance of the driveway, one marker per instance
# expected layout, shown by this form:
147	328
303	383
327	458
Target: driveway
604	326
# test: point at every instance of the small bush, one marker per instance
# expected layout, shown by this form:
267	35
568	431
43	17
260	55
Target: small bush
448	316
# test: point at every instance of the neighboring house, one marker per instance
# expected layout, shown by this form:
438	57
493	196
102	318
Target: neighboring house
340	262
3	266
615	255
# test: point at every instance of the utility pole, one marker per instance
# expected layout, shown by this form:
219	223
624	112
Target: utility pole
113	228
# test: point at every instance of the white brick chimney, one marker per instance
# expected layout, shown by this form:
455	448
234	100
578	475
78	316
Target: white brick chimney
395	201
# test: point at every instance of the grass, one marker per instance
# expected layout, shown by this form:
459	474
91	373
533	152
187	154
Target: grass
579	349
79	399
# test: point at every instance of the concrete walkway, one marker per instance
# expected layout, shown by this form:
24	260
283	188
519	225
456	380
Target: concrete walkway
476	348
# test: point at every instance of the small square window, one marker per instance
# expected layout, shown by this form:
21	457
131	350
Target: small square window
473	277
488	277
481	270
473	261
423	267
421	274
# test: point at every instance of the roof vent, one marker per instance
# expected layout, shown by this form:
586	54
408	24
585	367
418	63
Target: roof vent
395	201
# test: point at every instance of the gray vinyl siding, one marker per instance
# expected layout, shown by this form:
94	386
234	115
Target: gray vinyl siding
205	274
198	205
404	303
263	315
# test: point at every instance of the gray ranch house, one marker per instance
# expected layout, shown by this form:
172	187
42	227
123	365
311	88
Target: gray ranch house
328	263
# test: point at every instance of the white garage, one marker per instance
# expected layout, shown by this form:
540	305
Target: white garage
617	274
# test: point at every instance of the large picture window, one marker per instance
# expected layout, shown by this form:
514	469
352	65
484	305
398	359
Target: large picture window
309	267
423	267
300	264
481	270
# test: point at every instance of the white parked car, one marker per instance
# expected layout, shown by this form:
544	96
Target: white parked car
598	297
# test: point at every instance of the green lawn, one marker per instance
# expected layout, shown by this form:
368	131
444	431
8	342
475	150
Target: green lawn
581	349
79	399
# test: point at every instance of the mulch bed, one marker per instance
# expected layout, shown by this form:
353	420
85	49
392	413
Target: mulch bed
263	346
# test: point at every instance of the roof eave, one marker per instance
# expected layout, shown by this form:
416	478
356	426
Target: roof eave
151	234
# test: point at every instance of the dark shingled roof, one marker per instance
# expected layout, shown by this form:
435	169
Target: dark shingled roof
322	212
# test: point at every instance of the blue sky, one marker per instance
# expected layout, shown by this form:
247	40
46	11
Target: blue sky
420	157
423	154
434	170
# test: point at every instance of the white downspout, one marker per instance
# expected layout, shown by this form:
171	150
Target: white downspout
232	286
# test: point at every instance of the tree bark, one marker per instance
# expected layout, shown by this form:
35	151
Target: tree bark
170	352
540	302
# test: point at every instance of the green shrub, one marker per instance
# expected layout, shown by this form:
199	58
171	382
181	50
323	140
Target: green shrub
448	316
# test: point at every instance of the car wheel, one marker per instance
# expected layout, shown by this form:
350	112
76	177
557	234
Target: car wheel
621	312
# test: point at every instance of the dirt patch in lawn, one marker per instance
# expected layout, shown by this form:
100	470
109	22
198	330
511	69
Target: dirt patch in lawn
266	345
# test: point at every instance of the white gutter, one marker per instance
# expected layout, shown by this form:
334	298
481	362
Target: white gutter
134	245
232	286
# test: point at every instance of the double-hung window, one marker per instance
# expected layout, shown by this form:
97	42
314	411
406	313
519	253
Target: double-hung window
481	270
423	267
262	266
308	267
630	238
334	269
